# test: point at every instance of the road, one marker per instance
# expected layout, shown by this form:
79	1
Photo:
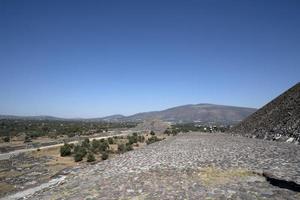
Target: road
5	156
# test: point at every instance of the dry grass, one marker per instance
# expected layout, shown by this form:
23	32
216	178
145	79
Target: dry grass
57	163
4	188
9	174
211	176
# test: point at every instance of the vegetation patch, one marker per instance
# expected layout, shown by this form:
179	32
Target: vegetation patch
211	176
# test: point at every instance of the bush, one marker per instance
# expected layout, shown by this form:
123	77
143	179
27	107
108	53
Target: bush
152	133
141	138
103	146
6	139
78	157
128	147
27	139
86	143
121	148
95	145
65	150
167	132
91	157
132	139
110	140
152	140
80	149
104	156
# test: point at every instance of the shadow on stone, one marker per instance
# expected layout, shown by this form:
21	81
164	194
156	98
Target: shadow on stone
290	185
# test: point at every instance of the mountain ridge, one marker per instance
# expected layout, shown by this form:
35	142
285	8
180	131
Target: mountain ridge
202	112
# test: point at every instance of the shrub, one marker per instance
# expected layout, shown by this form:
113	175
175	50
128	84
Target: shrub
95	145
27	139
132	139
121	148
104	156
65	150
91	157
174	132
128	147
152	133
6	139
78	157
152	140
103	146
141	138
79	152
110	140
86	143
167	132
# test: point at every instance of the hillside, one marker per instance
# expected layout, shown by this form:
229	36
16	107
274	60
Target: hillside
205	113
277	120
198	112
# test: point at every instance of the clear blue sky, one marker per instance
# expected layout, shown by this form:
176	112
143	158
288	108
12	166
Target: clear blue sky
96	58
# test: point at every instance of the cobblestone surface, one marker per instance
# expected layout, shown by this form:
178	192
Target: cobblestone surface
175	169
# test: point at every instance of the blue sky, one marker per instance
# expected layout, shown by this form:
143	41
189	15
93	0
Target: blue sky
96	58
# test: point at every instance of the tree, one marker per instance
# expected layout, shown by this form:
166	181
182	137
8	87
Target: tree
110	140
79	153
78	157
103	146
6	139
121	148
152	140
65	150
128	147
152	133
141	138
104	156
86	143
91	157
27	139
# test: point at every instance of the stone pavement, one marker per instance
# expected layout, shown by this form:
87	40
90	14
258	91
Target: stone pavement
188	166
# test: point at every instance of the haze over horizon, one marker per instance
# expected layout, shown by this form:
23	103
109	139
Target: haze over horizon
98	58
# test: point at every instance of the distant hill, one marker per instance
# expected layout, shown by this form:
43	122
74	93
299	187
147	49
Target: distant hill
40	117
197	113
206	113
277	120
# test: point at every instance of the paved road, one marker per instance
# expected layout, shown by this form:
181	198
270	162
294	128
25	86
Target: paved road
4	156
190	166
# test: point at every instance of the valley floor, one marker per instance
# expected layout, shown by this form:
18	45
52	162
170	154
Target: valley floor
188	166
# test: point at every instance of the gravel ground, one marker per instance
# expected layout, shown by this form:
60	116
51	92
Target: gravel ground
189	166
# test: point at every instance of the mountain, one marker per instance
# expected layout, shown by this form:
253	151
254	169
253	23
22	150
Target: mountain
188	113
39	117
277	120
111	118
197	113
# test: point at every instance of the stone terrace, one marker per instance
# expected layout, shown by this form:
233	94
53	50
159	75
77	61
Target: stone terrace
188	166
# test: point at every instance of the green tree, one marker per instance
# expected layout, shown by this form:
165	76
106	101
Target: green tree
110	140
128	147
104	155
91	157
6	139
65	150
121	148
152	133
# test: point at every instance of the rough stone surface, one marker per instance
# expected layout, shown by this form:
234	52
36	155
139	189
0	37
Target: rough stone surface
278	120
176	168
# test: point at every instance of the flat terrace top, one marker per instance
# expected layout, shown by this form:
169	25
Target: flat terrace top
189	166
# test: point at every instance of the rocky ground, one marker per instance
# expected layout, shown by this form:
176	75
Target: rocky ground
189	166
